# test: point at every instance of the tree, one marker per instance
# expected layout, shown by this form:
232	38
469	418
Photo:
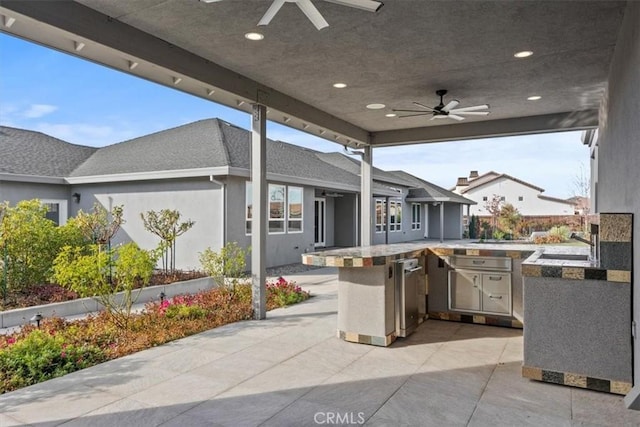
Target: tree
165	224
509	218
493	205
474	227
97	226
581	193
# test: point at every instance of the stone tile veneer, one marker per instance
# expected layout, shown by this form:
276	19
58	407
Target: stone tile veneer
576	380
367	339
479	319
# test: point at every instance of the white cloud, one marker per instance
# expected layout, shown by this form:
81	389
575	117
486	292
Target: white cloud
39	110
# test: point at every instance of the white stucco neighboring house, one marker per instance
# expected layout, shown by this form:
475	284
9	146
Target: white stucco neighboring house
525	197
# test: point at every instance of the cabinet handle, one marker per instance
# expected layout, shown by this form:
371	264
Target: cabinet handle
475	261
492	297
495	278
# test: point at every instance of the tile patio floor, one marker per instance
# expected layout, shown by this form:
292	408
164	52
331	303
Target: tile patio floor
291	370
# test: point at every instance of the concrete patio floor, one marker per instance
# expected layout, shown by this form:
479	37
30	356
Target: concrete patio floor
291	370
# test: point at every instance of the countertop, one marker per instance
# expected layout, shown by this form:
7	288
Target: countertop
369	256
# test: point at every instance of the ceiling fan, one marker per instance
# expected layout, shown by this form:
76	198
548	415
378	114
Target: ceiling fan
449	110
311	11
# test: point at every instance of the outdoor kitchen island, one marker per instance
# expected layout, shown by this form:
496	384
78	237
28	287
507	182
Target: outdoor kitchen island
457	281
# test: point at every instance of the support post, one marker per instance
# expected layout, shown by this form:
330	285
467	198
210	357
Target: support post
386	220
441	222
259	206
366	196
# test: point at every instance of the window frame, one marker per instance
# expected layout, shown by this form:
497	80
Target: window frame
395	225
416	208
381	226
288	215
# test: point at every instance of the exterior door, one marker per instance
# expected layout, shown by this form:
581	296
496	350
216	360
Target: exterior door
320	223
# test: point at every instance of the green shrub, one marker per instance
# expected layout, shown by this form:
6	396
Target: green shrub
229	262
182	311
31	241
41	356
560	233
88	271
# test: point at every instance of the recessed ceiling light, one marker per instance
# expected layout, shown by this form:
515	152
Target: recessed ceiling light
390	115
376	106
534	98
254	36
340	85
523	54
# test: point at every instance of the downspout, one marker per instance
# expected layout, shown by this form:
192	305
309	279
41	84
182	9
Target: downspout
223	210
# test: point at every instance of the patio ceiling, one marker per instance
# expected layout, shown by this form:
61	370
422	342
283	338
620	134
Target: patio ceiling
401	54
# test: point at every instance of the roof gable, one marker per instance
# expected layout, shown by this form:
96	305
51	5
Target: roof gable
27	152
491	177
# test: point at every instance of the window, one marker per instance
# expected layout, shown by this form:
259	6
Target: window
520	198
395	215
484	199
416	219
381	217
502	198
294	211
249	207
279	197
276	208
52	212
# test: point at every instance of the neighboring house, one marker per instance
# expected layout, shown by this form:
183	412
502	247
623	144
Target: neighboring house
202	169
525	197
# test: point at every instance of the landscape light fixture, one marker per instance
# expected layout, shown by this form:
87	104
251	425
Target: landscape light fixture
162	296
37	318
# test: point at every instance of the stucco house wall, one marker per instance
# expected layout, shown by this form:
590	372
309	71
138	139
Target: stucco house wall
618	153
197	199
512	191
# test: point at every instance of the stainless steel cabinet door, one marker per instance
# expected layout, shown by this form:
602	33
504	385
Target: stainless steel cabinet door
464	290
496	295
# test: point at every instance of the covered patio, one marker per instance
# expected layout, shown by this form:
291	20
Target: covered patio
291	370
540	66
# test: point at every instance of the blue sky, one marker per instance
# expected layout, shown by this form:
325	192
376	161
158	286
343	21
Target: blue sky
85	103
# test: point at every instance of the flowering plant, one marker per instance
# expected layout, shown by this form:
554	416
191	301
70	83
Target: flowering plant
282	293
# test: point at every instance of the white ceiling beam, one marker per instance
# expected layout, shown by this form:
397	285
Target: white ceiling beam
577	120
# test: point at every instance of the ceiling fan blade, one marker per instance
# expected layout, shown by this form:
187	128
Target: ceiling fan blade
411	111
423	106
451	105
439	116
469	113
210	1
474	108
312	13
415	115
368	5
454	117
271	12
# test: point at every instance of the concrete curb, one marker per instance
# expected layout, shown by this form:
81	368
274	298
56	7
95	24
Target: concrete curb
21	316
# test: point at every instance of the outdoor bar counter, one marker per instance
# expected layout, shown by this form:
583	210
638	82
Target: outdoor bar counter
551	291
366	307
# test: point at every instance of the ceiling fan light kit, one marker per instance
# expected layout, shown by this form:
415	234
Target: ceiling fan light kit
311	11
443	111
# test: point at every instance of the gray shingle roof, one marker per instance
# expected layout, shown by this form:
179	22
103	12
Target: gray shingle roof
27	152
425	190
192	146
